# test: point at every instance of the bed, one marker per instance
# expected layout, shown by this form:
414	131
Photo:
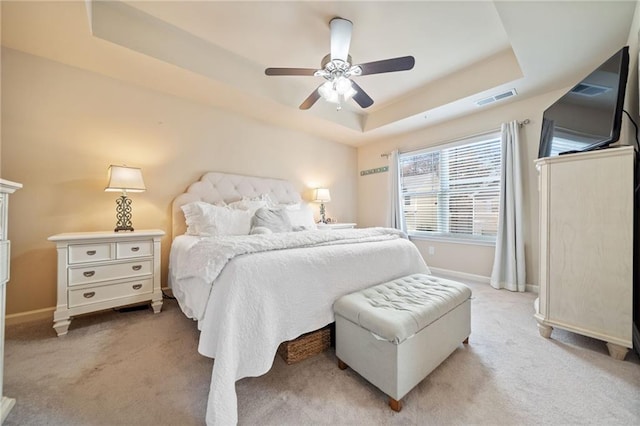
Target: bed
249	293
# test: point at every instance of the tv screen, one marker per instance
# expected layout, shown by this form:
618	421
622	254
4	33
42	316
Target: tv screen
589	116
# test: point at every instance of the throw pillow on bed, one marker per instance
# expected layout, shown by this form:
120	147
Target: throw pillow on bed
274	219
302	218
207	220
251	204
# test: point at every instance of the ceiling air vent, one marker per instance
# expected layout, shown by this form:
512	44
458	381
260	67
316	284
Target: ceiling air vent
498	97
586	89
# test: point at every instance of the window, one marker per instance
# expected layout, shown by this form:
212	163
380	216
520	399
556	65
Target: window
453	190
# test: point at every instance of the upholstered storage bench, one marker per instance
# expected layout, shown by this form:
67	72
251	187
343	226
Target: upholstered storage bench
394	334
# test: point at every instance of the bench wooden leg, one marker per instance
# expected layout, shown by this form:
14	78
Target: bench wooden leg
395	405
466	341
341	365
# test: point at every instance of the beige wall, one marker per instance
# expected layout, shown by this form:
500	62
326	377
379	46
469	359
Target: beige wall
373	199
62	127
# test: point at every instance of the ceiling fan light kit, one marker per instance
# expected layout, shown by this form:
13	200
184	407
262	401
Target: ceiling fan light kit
337	91
336	68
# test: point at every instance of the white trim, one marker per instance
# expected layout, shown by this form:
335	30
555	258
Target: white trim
28	316
438	186
457	274
45	313
476	137
414	235
532	288
529	288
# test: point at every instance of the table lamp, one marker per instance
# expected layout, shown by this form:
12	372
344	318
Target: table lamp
123	178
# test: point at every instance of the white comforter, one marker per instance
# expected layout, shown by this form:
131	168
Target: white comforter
255	292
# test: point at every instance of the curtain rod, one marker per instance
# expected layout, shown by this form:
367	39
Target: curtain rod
520	124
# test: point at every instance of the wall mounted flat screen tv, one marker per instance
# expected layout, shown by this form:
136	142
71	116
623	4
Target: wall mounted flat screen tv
589	116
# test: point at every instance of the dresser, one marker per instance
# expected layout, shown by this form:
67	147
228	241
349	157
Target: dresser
6	188
586	246
104	270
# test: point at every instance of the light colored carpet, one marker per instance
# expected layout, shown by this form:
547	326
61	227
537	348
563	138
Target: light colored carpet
136	368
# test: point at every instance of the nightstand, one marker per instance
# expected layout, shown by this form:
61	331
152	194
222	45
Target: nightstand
336	225
103	270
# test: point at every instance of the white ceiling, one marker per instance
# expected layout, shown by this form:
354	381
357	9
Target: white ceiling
215	52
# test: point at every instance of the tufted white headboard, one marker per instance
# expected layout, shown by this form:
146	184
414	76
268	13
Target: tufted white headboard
227	187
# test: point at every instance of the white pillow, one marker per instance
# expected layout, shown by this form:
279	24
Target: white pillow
292	206
251	204
274	219
302	217
206	220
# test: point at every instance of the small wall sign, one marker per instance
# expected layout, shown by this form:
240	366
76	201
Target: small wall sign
376	170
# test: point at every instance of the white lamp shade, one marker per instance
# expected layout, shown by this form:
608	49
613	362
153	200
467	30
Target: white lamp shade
321	195
123	178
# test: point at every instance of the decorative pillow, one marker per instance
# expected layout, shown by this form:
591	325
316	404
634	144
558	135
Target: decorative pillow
302	218
292	206
250	204
274	219
207	220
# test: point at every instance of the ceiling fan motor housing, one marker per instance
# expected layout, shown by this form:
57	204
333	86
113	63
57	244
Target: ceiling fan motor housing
332	69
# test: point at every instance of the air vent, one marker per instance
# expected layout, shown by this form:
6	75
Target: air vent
586	89
498	97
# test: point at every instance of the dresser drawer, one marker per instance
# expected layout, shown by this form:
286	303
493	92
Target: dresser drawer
79	253
4	261
86	296
92	274
130	249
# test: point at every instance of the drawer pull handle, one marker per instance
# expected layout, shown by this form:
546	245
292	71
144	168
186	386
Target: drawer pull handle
89	295
135	248
136	267
89	273
137	286
91	252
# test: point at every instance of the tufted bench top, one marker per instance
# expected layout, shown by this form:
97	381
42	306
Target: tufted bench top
398	309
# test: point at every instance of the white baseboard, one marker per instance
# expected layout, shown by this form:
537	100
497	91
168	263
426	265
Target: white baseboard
473	277
460	275
45	313
38	314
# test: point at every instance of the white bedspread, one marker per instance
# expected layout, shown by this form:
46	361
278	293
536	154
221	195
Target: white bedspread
264	294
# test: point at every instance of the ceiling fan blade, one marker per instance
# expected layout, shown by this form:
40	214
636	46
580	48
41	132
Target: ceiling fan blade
313	97
289	71
361	96
340	38
403	63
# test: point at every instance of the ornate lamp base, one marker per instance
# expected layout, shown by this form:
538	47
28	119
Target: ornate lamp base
322	218
123	214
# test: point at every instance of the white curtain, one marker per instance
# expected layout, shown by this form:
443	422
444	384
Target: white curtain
395	191
508	265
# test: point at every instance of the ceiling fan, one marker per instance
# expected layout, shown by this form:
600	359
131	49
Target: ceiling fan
337	70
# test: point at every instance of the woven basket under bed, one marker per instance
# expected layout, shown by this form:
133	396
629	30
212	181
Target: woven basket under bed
305	346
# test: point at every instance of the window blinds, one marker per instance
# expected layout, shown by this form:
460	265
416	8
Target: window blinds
453	190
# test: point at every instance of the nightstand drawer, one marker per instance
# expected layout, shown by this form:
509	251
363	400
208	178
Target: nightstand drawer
82	253
97	273
86	296
130	249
